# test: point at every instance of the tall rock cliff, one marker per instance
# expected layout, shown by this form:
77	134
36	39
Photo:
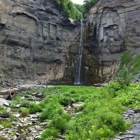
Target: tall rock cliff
39	45
112	26
36	42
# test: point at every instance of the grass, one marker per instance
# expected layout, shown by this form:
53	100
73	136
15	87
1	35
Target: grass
6	123
24	112
100	117
3	110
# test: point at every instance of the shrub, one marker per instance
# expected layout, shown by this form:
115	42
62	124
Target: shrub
33	108
6	124
49	134
18	100
59	123
24	112
123	77
51	109
64	100
69	9
3	110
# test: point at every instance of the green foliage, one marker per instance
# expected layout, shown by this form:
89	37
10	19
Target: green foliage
130	97
18	100
69	9
24	112
1	75
6	124
126	58
3	110
81	8
113	87
49	134
33	108
101	116
132	61
75	11
135	63
51	109
59	122
64	100
123	77
89	3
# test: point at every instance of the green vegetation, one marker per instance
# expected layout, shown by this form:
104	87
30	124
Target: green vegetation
69	9
19	100
100	117
89	3
33	108
131	61
123	77
75	11
3	110
81	8
24	112
6	123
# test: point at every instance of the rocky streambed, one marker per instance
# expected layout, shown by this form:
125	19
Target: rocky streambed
28	126
132	116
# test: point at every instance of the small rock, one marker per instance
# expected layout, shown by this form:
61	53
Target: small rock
6	115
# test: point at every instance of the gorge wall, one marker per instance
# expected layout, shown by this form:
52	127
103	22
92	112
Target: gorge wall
113	26
39	45
34	42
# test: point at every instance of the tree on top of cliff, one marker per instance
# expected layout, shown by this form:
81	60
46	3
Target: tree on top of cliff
89	3
81	8
69	9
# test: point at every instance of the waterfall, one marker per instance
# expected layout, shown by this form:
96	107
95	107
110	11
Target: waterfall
79	57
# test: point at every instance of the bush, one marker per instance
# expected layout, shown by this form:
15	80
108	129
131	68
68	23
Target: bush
69	9
65	100
51	109
49	134
123	77
59	123
24	112
6	124
33	108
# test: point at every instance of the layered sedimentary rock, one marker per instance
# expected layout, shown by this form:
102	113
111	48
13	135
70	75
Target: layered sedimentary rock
111	28
39	45
34	42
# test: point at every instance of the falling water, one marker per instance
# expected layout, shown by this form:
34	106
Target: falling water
79	57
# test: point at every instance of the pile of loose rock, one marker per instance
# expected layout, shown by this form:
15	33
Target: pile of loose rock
29	125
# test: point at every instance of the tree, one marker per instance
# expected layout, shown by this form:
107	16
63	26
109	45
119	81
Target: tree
89	3
69	9
123	77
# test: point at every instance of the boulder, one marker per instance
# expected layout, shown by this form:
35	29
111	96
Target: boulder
4	102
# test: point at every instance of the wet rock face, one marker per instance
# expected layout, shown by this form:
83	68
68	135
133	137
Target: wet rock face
34	40
112	27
